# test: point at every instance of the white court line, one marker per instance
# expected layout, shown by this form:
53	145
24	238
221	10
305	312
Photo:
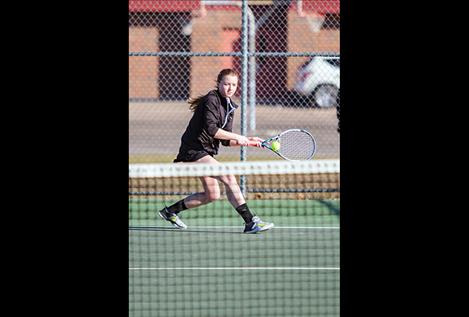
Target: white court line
276	227
235	227
232	268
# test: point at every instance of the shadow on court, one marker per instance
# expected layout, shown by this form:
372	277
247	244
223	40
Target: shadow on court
182	231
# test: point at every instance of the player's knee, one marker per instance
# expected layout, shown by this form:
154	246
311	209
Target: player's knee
230	181
212	196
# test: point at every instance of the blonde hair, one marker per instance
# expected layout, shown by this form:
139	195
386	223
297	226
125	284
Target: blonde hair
194	102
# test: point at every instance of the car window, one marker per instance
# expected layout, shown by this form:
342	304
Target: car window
334	62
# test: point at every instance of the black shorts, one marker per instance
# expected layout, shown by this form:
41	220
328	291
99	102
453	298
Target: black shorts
190	156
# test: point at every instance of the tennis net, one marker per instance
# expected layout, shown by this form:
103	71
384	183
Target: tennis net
212	268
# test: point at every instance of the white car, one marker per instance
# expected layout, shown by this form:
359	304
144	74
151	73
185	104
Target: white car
318	79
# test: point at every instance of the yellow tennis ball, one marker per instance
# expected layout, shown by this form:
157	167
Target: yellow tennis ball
275	146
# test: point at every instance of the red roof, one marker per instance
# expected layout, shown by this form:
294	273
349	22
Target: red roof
319	6
163	5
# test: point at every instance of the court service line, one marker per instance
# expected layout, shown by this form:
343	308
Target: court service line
276	227
232	268
237	227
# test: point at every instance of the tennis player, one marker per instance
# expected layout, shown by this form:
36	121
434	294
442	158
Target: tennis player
210	125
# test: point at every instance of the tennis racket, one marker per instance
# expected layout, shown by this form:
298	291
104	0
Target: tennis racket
295	145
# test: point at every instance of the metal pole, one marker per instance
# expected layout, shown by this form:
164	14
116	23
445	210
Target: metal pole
244	86
252	73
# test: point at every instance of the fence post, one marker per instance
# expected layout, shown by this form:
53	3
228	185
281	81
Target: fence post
244	85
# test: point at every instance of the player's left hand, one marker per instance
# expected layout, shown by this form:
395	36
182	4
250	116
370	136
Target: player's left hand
257	140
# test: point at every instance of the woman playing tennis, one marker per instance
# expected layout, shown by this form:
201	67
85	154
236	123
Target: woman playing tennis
210	125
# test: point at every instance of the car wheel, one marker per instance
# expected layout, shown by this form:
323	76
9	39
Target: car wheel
325	96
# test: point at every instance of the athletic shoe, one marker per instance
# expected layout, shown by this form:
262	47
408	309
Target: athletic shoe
257	225
173	218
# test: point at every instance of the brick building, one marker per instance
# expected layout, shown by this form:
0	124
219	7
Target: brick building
155	26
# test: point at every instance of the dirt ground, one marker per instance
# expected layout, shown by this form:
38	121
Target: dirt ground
155	129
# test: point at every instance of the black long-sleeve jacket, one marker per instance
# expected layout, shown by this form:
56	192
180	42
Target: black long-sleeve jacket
211	114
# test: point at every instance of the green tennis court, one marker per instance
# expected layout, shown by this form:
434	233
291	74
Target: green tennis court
285	211
212	268
217	271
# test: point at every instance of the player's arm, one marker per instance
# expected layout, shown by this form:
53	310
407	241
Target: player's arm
210	125
253	141
235	139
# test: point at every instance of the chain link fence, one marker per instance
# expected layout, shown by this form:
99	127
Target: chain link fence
290	77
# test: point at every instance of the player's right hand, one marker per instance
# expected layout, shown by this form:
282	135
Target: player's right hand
242	140
255	141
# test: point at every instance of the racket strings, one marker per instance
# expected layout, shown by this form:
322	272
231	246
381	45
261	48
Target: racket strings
297	145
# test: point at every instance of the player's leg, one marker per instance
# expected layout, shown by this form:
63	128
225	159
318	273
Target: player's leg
233	192
235	197
253	223
211	188
211	193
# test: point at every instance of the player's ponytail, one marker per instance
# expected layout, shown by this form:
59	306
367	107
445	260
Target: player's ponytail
194	102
